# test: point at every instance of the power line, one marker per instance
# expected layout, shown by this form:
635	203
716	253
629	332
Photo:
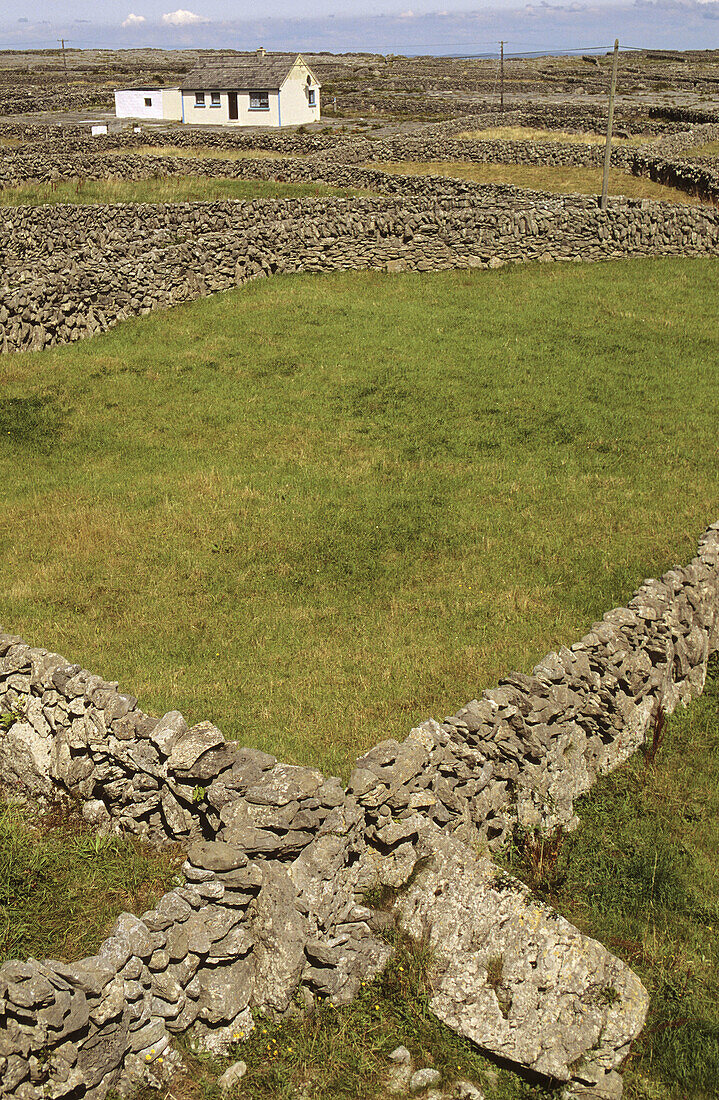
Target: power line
492	54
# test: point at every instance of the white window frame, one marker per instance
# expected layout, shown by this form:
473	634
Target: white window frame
259	101
312	97
199	99
215	99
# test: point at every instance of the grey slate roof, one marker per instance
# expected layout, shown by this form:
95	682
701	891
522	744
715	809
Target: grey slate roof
240	73
147	88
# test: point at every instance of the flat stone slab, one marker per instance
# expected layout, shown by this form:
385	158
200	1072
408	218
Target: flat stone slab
513	976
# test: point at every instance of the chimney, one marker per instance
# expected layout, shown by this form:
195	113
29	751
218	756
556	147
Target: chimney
261	52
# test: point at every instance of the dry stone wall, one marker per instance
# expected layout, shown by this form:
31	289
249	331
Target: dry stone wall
73	271
278	857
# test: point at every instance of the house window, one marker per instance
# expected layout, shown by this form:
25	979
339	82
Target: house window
199	99
259	101
148	101
311	97
214	99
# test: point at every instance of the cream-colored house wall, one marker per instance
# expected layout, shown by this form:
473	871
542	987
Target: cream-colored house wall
220	116
294	99
172	104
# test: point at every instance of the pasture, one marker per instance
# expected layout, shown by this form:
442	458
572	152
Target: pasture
320	509
568	179
165	189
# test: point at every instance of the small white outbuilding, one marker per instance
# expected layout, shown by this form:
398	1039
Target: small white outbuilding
152	102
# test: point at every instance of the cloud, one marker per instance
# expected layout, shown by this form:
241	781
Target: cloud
181	18
134	20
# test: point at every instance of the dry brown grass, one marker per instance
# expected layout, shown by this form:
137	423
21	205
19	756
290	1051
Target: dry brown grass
709	149
529	133
199	152
560	180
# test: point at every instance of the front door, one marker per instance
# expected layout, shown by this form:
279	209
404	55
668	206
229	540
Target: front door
232	104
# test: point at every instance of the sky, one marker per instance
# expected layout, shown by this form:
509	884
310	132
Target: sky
383	26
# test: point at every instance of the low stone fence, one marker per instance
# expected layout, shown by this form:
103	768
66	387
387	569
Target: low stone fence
45	99
72	271
279	856
683	142
318	158
685	115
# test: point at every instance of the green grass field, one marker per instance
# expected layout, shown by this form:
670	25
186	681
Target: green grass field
320	509
709	149
168	189
560	180
61	885
201	152
317	510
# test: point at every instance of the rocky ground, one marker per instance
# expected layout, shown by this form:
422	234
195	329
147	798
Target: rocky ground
392	90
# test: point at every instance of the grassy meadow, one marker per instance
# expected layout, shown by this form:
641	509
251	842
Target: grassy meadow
709	149
559	179
166	189
319	509
200	152
62	885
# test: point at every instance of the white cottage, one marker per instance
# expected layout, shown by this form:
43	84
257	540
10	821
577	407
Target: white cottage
264	89
148	102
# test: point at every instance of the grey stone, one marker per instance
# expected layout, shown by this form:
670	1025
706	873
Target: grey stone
225	991
216	855
111	1004
398	1078
465	1090
285	783
231	1077
546	998
424	1079
135	932
280	934
95	811
171	727
188	747
401	1056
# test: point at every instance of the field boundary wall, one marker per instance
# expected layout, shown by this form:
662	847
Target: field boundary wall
278	855
74	271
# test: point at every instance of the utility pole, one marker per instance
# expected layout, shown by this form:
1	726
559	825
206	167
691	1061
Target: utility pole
64	59
610	119
501	76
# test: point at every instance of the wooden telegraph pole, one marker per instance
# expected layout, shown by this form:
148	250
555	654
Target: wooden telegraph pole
610	119
64	59
501	76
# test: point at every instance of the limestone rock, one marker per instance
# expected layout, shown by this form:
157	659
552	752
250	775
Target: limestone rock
225	991
424	1079
513	976
280	934
227	1080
